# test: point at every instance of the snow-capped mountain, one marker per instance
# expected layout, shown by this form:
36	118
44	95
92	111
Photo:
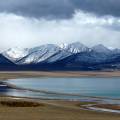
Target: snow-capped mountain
44	53
74	56
76	47
101	49
58	56
15	54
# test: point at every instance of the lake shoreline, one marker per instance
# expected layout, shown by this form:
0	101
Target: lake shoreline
12	86
29	74
66	108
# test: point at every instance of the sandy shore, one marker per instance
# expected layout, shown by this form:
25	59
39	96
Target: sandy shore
22	109
49	110
11	75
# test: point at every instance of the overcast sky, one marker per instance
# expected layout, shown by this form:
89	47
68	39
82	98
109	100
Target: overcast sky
28	23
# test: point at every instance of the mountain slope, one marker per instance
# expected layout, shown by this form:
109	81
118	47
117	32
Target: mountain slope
44	53
6	64
76	47
84	60
89	61
101	49
75	56
15	54
5	61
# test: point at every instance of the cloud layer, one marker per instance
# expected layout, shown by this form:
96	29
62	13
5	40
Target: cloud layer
84	27
57	9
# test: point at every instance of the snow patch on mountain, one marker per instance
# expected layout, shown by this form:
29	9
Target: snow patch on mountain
40	54
76	47
15	54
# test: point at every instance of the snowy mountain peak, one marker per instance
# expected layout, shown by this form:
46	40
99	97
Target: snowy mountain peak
75	47
63	45
101	48
15	54
40	54
46	47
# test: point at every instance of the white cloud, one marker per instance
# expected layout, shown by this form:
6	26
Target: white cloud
86	28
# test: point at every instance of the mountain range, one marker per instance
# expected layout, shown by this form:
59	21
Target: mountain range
74	56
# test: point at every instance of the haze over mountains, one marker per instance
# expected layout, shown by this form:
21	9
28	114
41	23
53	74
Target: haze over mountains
74	56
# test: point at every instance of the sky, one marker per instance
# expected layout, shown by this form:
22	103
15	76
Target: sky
29	23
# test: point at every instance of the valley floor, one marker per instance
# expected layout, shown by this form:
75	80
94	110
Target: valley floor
19	109
11	75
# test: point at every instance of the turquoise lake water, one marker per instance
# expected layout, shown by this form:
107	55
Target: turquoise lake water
93	86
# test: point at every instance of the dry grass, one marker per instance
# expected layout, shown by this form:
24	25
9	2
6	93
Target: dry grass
20	104
52	110
11	75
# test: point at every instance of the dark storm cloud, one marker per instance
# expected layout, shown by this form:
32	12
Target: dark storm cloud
38	8
100	7
59	8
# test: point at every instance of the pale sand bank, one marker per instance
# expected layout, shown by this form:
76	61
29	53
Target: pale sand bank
49	110
11	75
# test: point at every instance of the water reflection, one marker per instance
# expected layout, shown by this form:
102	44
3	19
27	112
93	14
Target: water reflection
65	88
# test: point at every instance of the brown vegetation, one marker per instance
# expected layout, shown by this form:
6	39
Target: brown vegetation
20	104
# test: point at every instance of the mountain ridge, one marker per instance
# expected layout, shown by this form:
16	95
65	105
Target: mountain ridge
74	56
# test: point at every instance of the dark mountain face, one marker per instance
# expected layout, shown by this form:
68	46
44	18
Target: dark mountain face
6	64
5	61
114	59
88	61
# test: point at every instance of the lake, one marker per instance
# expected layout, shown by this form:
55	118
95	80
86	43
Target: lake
66	88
